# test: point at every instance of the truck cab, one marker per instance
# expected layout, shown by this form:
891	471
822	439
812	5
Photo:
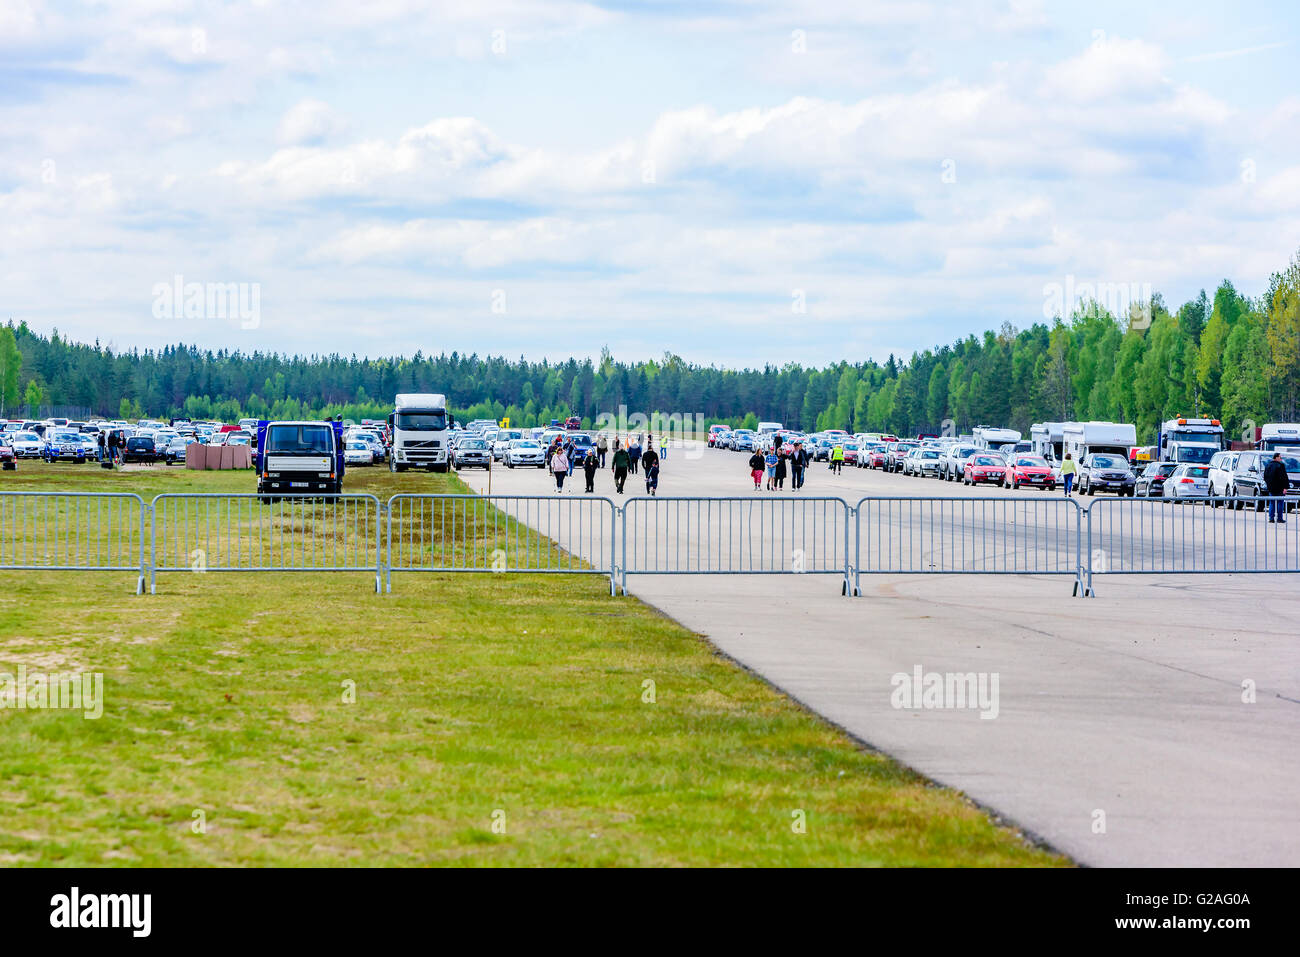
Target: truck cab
421	432
299	458
1185	440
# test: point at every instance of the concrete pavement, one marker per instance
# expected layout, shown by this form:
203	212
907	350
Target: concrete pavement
1121	735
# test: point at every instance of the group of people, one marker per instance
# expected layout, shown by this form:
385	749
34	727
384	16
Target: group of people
629	457
777	464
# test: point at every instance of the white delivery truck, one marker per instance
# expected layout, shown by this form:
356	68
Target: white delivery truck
994	439
1190	440
1279	435
420	428
1048	440
1081	439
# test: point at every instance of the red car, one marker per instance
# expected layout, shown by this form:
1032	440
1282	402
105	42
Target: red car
573	422
877	456
1030	470
984	468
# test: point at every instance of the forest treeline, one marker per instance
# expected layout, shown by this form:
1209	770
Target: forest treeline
1227	356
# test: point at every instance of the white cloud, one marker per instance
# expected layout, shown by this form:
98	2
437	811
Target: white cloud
308	122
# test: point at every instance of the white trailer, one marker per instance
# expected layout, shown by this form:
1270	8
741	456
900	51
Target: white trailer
1082	438
1048	440
420	428
994	439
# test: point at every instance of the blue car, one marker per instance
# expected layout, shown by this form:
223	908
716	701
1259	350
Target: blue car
63	446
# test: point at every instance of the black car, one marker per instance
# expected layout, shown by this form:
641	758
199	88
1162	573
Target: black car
1248	486
1105	472
140	448
1151	482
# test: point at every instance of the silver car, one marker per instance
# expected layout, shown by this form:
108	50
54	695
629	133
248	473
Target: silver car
1188	482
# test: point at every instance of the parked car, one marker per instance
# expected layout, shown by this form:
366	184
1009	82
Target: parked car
1188	482
378	452
8	461
525	452
925	462
140	448
357	452
472	453
1106	472
1222	465
63	446
27	445
1030	470
850	452
984	467
952	463
1248	486
174	452
1151	482
897	452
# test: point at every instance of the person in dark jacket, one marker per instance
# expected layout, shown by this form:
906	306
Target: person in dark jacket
650	463
756	469
634	455
589	466
798	463
781	459
1276	480
621	461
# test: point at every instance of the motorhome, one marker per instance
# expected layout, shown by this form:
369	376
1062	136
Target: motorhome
1081	439
994	439
1048	440
1190	440
420	429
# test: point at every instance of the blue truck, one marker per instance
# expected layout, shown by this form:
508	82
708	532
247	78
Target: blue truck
298	458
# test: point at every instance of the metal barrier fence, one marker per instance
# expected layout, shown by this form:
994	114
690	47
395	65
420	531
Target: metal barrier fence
735	535
1020	535
226	533
501	533
1191	537
74	531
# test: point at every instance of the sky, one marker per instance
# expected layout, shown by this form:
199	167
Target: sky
735	181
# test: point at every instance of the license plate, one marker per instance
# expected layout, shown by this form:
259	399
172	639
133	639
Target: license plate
1035	478
298	484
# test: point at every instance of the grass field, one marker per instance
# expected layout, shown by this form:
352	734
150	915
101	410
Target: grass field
477	719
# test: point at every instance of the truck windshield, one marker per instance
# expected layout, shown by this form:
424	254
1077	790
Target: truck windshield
299	439
422	421
1195	453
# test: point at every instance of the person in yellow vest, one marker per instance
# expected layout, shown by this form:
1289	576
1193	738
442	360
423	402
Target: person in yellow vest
837	458
1068	471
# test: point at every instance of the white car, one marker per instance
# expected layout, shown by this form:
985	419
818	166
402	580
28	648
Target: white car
524	452
27	445
1222	465
502	442
357	452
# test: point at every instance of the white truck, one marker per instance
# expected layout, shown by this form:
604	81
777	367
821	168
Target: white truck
1081	439
993	439
1190	440
1279	435
421	429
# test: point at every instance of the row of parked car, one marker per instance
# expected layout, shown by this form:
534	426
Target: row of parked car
480	444
145	441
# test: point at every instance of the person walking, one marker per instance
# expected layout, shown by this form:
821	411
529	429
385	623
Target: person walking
770	461
798	463
1068	471
602	446
780	470
663	449
650	463
837	459
589	466
634	455
559	467
756	470
622	462
1276	481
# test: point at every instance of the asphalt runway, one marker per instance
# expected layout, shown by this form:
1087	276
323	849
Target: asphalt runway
1155	724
